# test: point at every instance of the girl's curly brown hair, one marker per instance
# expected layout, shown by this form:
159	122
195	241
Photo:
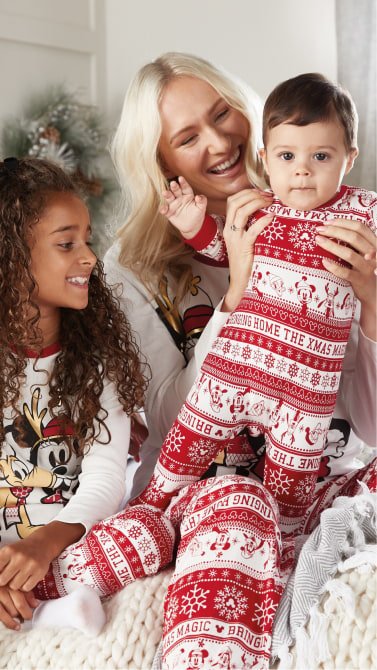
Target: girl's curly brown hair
96	342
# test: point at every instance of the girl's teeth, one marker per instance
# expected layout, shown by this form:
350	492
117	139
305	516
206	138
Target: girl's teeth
78	280
227	164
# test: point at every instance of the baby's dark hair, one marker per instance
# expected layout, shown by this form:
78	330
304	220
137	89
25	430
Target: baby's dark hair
309	98
96	343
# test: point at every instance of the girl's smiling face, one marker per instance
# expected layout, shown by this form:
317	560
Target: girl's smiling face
203	139
61	260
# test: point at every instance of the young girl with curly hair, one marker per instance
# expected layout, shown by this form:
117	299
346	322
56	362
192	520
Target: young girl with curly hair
69	380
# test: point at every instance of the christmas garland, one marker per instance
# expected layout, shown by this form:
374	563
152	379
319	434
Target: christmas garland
55	126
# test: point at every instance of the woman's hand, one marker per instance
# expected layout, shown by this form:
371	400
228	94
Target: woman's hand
240	242
16	606
360	254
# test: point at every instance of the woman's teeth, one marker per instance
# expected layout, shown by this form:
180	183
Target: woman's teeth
227	164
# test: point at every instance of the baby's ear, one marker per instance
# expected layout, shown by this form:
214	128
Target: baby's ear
263	156
352	155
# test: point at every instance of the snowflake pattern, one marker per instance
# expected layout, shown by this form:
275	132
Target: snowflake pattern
216	346
231	603
144	545
269	361
302	236
150	559
326	381
265	613
315	378
304	374
279	481
134	532
274	231
235	350
281	365
305	488
195	600
171	611
246	353
198	451
174	440
155	490
333	381
293	370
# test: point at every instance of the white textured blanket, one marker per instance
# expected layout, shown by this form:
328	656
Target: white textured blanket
345	539
341	624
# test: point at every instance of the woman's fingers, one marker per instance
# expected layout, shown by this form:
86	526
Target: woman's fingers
248	194
236	220
258	227
371	256
244	204
354	233
345	253
354	243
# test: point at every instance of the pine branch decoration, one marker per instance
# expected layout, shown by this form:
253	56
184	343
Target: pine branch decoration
55	126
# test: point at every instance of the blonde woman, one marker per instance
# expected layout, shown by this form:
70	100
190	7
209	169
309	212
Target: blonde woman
169	293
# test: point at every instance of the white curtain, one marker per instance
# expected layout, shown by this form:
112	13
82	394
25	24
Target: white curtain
357	71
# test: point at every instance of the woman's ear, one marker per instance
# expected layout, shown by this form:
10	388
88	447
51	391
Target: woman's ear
352	155
164	168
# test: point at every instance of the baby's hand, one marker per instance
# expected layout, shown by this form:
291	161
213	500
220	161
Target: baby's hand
184	209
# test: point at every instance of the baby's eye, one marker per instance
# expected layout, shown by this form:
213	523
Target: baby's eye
320	156
287	155
65	245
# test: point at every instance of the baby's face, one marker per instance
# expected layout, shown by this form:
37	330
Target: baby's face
306	164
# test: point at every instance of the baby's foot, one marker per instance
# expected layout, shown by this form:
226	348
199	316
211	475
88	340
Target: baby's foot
184	209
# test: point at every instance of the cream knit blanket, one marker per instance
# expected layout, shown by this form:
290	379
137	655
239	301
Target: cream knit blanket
329	608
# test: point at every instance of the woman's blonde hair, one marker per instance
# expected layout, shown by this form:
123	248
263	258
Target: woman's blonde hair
150	245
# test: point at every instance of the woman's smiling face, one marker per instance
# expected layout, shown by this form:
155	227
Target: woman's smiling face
203	139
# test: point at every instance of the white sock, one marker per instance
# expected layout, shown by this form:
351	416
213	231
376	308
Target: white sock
80	609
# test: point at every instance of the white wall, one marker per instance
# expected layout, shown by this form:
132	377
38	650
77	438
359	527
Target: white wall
96	46
50	41
262	41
